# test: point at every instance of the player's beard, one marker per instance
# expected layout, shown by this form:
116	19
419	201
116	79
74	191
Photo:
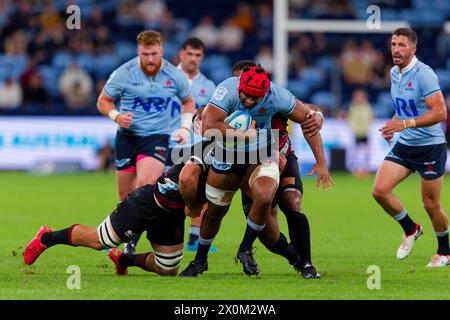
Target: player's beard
155	71
404	60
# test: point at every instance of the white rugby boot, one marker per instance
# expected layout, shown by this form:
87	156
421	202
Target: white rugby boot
439	260
408	243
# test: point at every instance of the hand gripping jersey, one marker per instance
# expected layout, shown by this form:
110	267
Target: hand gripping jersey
409	89
148	98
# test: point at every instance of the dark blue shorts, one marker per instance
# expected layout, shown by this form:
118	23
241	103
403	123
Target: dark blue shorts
130	148
429	161
225	161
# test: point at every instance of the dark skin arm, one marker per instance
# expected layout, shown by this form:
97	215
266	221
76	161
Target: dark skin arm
188	184
299	115
314	120
213	120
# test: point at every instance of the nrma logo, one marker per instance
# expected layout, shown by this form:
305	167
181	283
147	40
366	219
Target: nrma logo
158	104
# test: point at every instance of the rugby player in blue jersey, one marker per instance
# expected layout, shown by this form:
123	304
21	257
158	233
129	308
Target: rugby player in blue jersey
419	109
191	56
143	89
254	92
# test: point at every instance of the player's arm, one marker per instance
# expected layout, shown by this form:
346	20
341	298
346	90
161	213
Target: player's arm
314	120
436	114
213	123
299	115
105	105
187	110
188	184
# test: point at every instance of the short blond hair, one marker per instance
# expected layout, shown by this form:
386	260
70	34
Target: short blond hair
149	37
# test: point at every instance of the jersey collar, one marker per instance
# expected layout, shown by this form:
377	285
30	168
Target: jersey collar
189	79
411	65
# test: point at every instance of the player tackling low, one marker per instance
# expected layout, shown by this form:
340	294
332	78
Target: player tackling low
421	147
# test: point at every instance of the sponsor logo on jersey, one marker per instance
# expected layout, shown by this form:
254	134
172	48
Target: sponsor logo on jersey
220	93
122	162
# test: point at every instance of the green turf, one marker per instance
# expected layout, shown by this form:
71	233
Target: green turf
349	233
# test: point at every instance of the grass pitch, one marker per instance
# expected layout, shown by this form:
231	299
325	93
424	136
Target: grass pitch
349	234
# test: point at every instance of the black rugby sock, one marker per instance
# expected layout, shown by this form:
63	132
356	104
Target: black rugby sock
133	260
282	248
63	236
299	233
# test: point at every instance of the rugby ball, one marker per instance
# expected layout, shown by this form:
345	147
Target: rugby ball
240	120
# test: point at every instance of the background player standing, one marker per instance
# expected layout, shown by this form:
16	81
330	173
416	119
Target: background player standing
146	86
419	106
191	56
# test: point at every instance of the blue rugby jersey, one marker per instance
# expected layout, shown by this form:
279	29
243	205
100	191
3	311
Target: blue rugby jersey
148	98
201	89
409	89
277	99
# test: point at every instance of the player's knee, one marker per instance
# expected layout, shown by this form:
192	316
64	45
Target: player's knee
267	174
292	199
431	205
379	194
167	264
263	191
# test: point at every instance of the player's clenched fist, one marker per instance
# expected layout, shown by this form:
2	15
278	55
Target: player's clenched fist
125	120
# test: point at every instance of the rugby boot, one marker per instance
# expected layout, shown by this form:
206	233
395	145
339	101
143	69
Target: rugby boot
249	264
35	247
114	255
194	269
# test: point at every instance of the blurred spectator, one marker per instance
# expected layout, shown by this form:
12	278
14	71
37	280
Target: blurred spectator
127	13
50	17
16	44
36	98
360	117
102	40
264	23
243	18
11	95
151	11
207	32
358	62
76	87
265	58
301	54
106	157
230	37
443	43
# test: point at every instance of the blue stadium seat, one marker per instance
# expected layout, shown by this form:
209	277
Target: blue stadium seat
315	77
324	99
299	88
444	78
384	106
214	61
125	50
61	60
217	75
105	65
50	76
86	62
